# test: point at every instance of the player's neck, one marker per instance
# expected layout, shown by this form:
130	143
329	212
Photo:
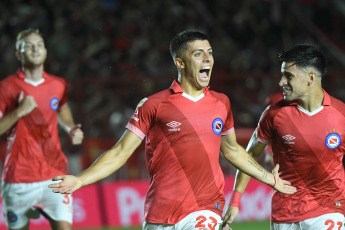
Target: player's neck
33	73
313	101
190	89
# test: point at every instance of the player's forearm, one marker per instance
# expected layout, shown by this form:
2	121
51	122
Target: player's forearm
241	181
65	119
244	162
108	163
7	121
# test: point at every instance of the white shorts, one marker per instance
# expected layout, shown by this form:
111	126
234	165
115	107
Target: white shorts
330	221
200	220
22	201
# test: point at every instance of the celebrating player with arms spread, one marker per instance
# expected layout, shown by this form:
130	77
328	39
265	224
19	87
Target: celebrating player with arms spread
185	126
306	131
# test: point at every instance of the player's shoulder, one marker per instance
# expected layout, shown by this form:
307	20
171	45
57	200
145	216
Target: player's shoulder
9	79
155	99
219	96
9	83
52	77
273	109
337	104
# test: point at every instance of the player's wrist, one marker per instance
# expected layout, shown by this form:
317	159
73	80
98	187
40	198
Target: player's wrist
235	198
19	114
275	181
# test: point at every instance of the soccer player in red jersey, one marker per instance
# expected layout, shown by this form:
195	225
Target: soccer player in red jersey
32	103
184	128
307	132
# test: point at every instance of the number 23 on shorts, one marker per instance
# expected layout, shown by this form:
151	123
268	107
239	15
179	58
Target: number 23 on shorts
204	223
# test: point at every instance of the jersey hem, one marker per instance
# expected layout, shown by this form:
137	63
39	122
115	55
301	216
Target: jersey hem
306	217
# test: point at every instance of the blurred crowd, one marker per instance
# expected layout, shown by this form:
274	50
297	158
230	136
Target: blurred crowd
115	52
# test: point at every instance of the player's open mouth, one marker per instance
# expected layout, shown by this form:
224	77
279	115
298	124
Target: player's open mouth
286	91
204	73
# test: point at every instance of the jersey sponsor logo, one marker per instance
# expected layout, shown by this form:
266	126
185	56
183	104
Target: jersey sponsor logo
136	112
54	103
337	203
288	139
217	126
142	102
12	217
217	205
174	125
332	140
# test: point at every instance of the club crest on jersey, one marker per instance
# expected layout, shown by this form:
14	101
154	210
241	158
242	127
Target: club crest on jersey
54	103
12	217
217	126
332	140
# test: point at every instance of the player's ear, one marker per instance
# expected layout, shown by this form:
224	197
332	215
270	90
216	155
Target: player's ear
311	77
19	58
179	63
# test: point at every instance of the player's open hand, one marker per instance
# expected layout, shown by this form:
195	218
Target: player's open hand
76	134
281	185
229	217
68	184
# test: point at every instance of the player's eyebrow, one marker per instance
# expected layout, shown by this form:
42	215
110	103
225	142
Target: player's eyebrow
201	50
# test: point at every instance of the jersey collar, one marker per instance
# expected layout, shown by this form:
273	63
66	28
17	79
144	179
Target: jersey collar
176	88
326	99
21	76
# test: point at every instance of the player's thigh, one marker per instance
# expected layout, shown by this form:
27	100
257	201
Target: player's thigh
150	226
58	207
330	221
204	219
17	200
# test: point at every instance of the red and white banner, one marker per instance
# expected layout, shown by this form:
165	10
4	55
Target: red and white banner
121	203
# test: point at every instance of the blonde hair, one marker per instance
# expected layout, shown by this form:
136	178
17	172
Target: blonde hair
23	34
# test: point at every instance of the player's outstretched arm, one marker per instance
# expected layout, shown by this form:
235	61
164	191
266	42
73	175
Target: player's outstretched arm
106	164
237	156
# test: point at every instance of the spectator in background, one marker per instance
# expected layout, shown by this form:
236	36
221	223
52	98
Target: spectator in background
184	126
306	131
32	103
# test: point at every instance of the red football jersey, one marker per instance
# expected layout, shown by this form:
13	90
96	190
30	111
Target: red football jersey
309	147
33	146
183	136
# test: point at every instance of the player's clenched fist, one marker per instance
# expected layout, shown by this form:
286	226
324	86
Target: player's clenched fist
68	184
26	104
76	135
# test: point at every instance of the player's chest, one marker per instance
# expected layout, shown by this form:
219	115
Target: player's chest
202	119
47	97
320	132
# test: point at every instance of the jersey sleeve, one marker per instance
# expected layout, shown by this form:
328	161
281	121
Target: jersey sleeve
4	99
265	127
63	101
142	119
229	121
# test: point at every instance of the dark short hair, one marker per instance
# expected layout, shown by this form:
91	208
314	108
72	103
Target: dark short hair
23	34
304	56
179	42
